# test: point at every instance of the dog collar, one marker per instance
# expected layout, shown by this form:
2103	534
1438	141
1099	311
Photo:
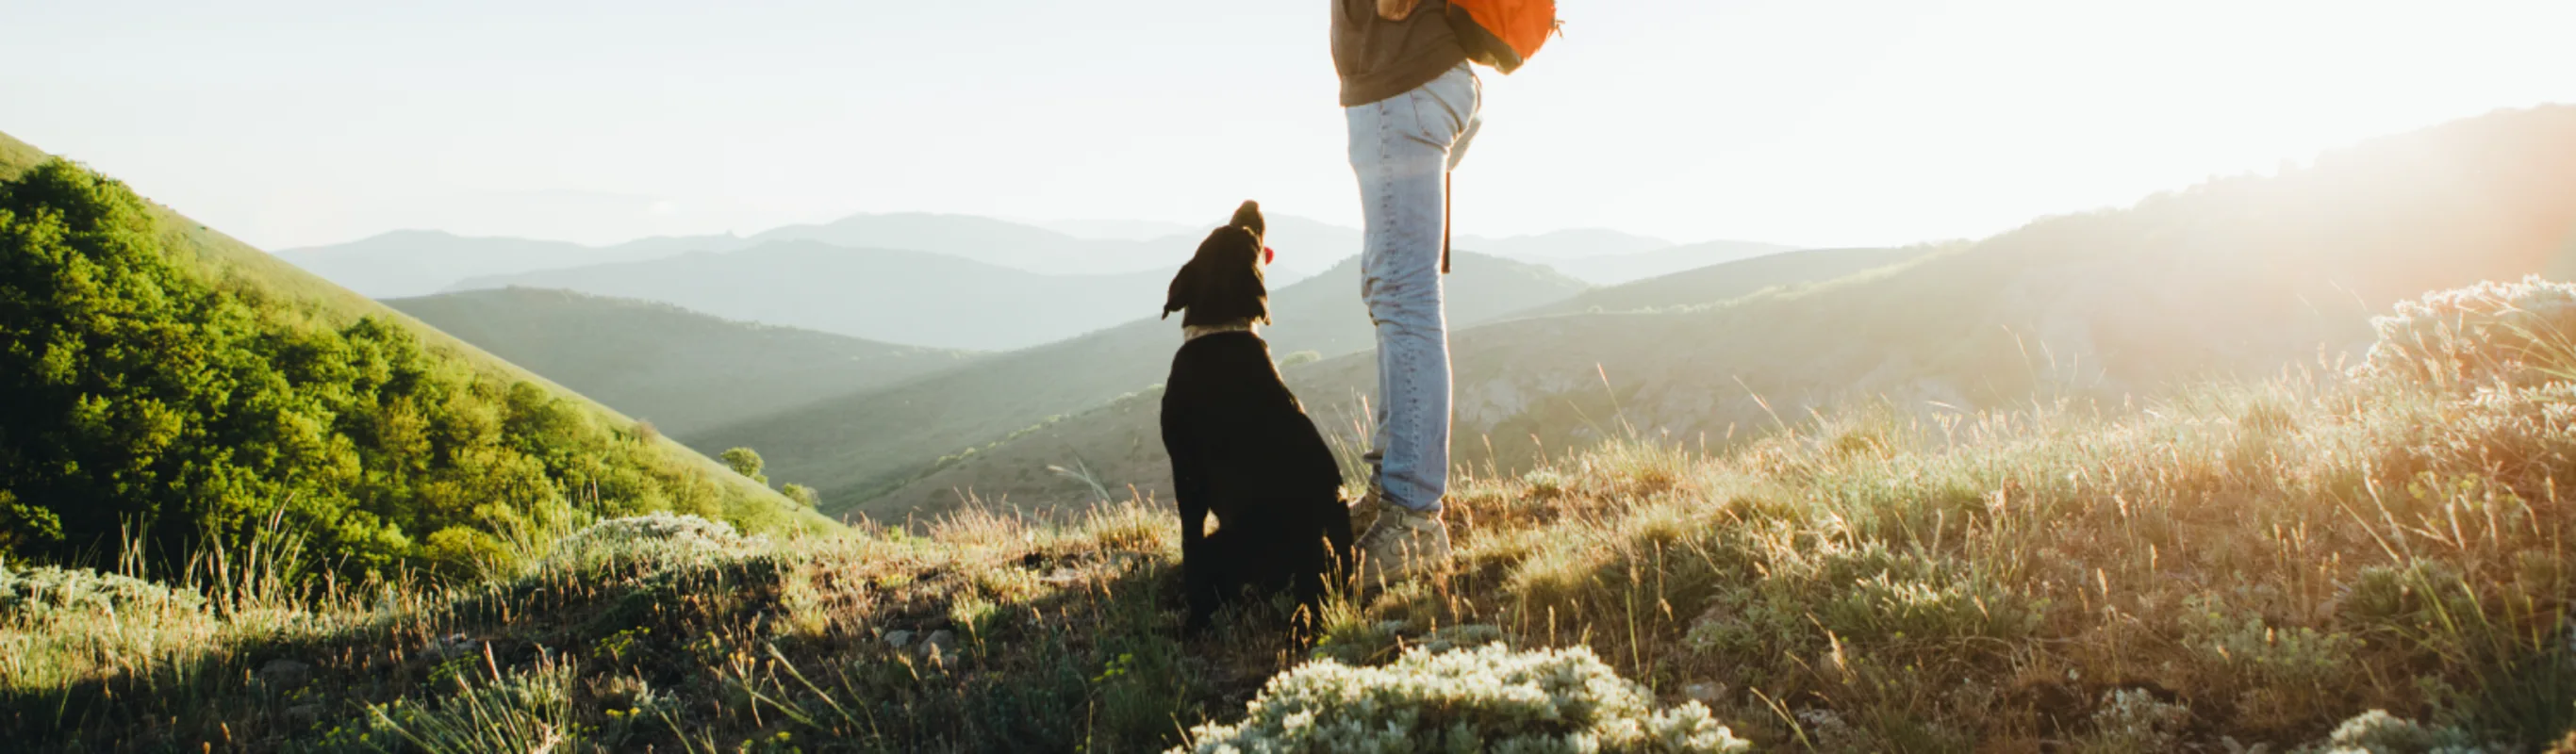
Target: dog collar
1195	332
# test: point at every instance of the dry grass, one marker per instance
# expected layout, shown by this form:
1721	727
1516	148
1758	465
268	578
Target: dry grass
2237	565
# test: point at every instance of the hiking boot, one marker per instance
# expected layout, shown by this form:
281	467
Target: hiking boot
1400	543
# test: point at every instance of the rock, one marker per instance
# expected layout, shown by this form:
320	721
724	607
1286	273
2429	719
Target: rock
941	645
898	639
285	674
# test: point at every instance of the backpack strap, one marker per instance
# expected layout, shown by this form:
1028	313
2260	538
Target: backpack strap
1446	207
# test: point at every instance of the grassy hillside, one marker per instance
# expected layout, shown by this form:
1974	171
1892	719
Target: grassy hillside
1619	268
173	386
857	447
885	295
2364	562
681	370
1728	281
2237	276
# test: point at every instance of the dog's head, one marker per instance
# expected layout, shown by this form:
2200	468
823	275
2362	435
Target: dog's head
1222	283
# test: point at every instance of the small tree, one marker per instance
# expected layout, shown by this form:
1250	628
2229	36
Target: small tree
803	495
746	462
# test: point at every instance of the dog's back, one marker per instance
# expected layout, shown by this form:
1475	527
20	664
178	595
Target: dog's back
1242	426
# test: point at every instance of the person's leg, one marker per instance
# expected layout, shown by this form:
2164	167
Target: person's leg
1402	150
1403	120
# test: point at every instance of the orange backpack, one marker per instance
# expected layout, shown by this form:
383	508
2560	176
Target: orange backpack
1502	33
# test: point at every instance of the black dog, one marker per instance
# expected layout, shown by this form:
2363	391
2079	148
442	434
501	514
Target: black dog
1241	446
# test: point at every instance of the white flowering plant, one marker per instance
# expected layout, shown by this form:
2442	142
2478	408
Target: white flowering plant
654	539
45	592
1489	698
2377	732
2506	334
2134	720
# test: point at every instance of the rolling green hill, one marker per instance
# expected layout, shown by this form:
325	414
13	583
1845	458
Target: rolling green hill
2237	276
858	446
170	384
681	370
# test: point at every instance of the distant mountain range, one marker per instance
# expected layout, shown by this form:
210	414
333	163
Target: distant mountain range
1129	230
860	445
888	295
421	262
681	370
929	280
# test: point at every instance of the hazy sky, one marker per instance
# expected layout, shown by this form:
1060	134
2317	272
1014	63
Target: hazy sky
1795	121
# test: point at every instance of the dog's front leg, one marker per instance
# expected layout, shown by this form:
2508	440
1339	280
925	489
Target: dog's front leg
1190	491
1198	564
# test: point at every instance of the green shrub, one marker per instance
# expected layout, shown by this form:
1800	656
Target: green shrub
2405	599
466	550
1491	698
2284	656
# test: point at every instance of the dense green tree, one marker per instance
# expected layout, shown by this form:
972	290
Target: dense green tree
746	462
140	396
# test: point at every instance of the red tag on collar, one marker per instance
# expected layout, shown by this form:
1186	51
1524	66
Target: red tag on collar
1267	255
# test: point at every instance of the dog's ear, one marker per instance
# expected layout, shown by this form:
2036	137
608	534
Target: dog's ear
1184	288
1249	218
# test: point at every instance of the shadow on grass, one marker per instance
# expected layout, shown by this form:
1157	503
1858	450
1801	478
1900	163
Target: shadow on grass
1043	649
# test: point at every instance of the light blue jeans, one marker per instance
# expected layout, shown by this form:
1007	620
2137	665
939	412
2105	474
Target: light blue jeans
1403	148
